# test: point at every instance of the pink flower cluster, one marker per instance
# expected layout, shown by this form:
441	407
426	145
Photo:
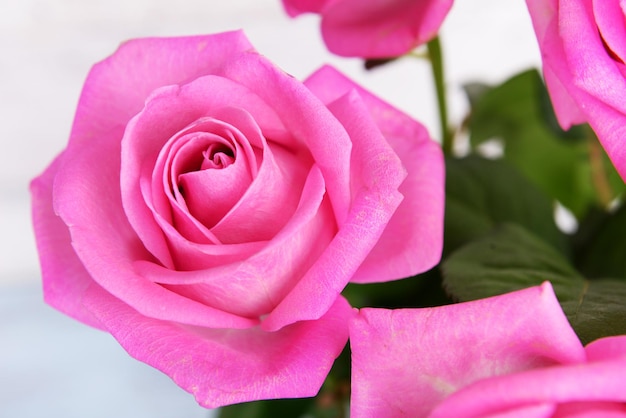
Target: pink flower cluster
209	209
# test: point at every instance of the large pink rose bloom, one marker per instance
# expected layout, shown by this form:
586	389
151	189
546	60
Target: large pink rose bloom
209	209
583	46
374	28
513	355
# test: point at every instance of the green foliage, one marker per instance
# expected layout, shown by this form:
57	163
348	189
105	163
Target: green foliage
519	114
511	258
481	194
600	249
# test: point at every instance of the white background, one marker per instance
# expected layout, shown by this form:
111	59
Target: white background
52	366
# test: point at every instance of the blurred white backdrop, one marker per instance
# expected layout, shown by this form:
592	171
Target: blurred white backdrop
53	366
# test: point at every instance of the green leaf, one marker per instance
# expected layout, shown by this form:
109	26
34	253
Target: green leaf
481	194
268	409
511	258
519	113
601	247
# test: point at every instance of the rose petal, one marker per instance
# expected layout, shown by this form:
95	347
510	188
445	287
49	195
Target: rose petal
377	174
555	68
87	199
308	121
608	348
65	279
117	87
593	70
167	111
254	286
381	28
602	381
609	18
221	367
297	7
407	361
413	240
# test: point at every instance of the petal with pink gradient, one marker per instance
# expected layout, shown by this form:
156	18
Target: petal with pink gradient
381	28
376	174
65	279
593	387
583	60
407	361
116	88
221	367
413	240
297	7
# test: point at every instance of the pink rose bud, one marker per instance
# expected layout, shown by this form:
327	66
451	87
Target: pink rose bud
583	47
513	355
209	209
374	28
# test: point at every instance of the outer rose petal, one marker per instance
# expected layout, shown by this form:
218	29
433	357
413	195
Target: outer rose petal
381	28
580	383
297	7
586	83
65	279
221	367
405	362
413	240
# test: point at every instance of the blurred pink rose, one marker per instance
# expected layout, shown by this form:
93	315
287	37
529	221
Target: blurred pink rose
209	209
513	355
374	28
583	46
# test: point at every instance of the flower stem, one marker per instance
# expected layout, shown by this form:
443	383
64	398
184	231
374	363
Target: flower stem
436	64
599	177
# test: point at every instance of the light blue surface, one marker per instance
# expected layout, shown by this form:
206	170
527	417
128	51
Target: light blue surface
53	366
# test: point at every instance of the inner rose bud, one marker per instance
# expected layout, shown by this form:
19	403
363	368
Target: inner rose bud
217	156
207	168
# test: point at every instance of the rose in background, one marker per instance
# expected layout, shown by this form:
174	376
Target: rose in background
513	354
583	47
374	28
209	209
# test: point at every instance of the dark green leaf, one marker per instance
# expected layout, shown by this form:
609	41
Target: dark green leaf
423	290
268	409
481	194
519	113
512	258
601	249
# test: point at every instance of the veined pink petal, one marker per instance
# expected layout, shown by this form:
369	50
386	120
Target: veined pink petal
381	28
306	119
609	17
580	383
413	239
406	361
117	87
376	177
87	189
221	367
254	286
592	69
167	111
65	279
555	68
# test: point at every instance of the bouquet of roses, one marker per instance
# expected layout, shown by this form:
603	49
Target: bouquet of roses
287	248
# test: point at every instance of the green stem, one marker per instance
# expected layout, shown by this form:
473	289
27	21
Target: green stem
436	63
599	177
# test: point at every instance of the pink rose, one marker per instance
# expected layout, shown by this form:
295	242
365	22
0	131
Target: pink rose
374	28
513	355
583	46
209	209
